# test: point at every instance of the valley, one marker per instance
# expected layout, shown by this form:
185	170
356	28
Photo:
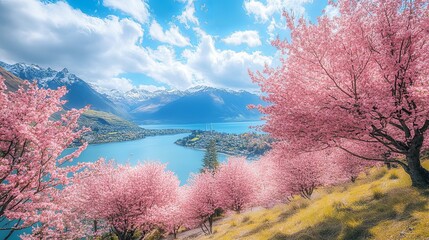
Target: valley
113	115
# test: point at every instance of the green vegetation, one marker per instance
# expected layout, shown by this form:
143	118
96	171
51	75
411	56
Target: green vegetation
106	127
210	162
250	145
377	206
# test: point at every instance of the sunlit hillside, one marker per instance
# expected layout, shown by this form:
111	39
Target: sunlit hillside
380	205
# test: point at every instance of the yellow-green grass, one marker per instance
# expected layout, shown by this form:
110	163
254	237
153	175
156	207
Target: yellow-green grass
380	205
108	118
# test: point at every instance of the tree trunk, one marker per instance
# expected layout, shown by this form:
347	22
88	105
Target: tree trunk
419	175
95	226
211	224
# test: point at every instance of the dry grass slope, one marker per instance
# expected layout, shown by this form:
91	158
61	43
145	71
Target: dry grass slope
380	205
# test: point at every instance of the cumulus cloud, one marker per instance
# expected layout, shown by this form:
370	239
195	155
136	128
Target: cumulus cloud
100	49
171	36
251	38
97	50
138	9
151	88
55	35
188	15
120	84
166	69
224	68
331	11
263	12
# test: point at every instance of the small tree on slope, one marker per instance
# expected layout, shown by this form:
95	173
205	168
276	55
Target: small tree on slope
301	173
236	184
361	76
210	162
202	201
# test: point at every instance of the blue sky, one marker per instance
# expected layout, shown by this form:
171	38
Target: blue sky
149	44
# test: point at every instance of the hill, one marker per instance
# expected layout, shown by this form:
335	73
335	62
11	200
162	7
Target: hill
107	127
380	205
12	82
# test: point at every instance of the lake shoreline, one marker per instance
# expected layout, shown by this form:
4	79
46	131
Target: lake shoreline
161	148
141	135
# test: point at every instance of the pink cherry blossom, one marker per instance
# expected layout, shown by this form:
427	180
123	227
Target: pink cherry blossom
358	77
236	184
31	142
202	201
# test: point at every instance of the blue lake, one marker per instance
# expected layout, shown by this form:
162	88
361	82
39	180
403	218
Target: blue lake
182	161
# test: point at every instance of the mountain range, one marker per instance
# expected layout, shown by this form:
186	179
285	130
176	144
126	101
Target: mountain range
196	105
79	94
105	127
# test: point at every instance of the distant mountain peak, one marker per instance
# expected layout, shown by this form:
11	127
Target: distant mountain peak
203	88
79	92
65	71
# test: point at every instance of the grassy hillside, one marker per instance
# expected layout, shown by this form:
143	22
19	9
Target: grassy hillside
380	205
12	82
94	118
107	127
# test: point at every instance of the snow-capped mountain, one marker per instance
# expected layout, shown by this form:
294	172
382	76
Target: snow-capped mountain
195	105
79	92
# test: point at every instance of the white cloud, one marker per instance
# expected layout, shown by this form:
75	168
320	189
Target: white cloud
263	12
166	69
138	9
171	36
224	68
188	15
331	11
272	28
100	49
56	35
151	88
120	84
251	38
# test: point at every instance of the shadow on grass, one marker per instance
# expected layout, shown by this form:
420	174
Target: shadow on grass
257	229
373	212
328	229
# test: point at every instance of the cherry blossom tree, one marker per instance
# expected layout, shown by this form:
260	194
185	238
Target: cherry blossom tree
202	201
273	182
349	166
302	173
78	214
236	184
31	143
123	200
171	218
360	76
